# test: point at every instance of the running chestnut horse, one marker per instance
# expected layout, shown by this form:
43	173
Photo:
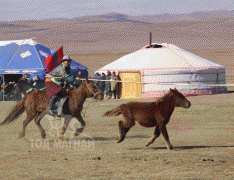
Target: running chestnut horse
36	103
149	114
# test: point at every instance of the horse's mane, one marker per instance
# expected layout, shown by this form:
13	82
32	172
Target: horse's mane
77	88
163	98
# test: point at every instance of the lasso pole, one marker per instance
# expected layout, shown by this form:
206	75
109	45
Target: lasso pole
156	83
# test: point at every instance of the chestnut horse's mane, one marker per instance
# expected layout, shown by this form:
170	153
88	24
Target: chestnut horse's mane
163	98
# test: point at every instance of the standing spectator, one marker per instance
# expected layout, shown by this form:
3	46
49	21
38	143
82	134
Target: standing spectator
114	85
102	83
36	82
80	75
8	89
1	95
96	76
1	87
27	81
1	91
108	92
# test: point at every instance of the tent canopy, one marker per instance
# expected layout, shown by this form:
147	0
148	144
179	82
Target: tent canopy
23	56
27	56
76	67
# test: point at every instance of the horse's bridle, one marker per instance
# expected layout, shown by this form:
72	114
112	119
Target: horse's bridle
94	94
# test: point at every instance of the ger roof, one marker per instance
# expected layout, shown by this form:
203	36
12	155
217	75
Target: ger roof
160	56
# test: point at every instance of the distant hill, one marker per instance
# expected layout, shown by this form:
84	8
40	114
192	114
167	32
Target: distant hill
159	18
148	19
184	17
114	15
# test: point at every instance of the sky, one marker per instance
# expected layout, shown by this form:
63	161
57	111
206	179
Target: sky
13	10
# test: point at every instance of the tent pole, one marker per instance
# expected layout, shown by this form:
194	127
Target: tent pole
3	88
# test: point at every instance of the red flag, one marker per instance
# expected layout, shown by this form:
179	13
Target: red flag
53	60
49	63
59	55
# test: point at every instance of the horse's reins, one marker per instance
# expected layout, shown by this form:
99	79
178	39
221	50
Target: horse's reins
94	94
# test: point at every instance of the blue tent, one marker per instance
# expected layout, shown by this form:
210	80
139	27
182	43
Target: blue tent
23	56
76	67
18	57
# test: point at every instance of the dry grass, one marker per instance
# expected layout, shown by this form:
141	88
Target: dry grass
202	137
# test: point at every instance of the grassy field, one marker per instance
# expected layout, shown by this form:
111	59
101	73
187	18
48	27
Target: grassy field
202	137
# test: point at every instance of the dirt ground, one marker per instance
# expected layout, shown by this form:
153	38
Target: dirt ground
202	137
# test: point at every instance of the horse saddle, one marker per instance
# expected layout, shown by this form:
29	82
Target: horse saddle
57	104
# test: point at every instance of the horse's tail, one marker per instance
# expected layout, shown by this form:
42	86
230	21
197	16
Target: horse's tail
114	112
15	112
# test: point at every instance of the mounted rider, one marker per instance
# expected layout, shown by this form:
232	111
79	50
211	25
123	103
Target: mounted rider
63	77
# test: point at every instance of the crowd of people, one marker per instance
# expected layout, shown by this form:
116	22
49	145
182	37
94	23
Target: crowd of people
107	83
110	87
7	89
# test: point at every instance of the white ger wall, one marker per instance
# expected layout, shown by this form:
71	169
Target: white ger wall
200	77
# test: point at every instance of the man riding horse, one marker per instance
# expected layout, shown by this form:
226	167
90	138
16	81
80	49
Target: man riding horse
63	77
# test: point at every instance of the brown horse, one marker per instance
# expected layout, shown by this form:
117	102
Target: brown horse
37	102
149	114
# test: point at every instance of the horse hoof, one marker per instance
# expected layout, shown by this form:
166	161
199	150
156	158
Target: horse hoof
78	131
20	136
120	140
43	135
61	138
170	148
148	143
77	134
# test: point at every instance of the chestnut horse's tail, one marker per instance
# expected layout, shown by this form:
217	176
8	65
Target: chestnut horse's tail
114	112
15	112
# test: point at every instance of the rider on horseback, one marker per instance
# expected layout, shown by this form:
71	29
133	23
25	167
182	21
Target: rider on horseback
63	77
